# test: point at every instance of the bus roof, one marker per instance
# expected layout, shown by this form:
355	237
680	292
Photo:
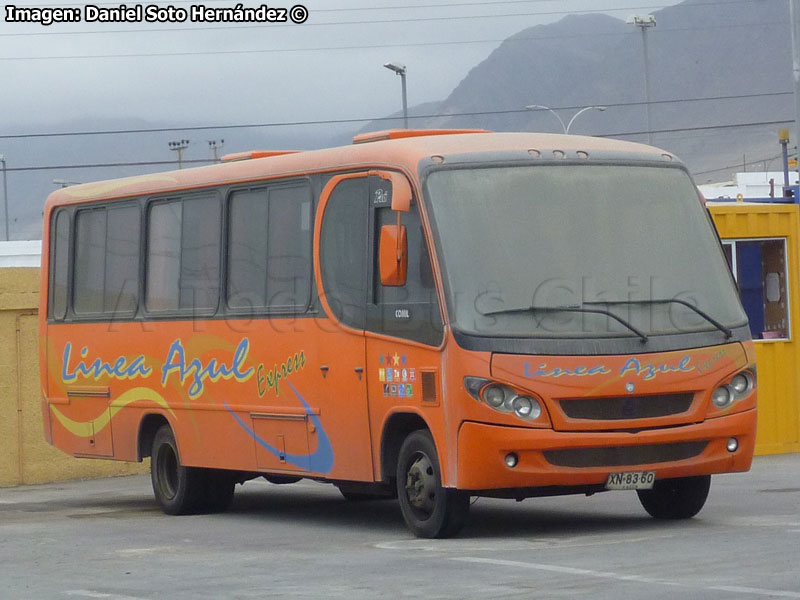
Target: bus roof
401	150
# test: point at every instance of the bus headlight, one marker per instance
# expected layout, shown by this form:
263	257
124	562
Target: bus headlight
527	408
504	399
494	395
722	396
741	384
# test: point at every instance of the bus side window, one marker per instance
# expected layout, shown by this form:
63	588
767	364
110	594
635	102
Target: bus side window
59	266
183	248
269	249
343	251
410	311
106	269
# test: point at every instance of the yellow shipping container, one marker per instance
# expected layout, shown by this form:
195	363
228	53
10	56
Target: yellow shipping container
761	243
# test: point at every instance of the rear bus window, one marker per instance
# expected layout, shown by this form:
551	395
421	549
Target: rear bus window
59	266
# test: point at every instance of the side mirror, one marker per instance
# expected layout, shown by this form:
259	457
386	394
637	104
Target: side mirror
393	257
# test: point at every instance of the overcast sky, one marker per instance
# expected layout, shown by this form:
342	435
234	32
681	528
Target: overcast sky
227	73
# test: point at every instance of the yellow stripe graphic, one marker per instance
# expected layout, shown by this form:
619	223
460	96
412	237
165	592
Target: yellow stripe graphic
89	428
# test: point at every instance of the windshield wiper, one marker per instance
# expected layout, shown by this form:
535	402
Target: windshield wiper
568	308
728	333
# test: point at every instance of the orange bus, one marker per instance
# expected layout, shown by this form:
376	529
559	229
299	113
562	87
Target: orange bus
433	315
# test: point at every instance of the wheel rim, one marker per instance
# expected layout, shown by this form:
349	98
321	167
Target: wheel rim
421	485
167	469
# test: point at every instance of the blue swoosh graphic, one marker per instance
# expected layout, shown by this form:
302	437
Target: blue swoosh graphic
320	461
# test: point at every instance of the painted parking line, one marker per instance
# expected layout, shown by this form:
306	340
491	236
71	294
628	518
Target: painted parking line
99	595
465	546
621	577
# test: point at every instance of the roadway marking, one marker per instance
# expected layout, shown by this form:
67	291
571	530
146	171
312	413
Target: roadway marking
154	550
465	545
104	596
621	577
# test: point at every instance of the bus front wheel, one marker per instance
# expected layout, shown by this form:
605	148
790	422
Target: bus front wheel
183	490
680	498
429	510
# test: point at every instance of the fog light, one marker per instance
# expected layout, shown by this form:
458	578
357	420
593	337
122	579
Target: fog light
733	445
512	459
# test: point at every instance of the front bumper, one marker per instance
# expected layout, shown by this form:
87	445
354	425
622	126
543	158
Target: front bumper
552	458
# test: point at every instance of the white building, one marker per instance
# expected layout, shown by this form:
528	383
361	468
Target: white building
21	253
749	185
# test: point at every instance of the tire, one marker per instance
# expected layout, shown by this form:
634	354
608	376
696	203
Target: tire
429	510
680	498
183	490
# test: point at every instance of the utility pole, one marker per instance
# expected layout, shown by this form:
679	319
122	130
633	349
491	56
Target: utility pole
215	146
5	197
794	15
179	147
644	23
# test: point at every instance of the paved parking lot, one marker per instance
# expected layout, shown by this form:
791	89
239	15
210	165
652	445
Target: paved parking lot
105	539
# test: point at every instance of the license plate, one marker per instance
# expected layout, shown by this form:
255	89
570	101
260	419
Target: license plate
631	480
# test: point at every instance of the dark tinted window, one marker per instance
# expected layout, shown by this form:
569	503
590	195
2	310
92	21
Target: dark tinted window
200	243
183	255
106	268
247	249
412	310
59	267
343	251
269	248
289	247
122	259
90	261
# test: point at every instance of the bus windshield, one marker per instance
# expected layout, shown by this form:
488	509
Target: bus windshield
579	251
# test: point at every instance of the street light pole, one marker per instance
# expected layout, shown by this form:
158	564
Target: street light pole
794	15
215	147
5	196
179	147
581	111
401	70
644	23
555	114
565	127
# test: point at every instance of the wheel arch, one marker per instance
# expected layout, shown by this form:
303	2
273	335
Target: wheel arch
395	430
148	427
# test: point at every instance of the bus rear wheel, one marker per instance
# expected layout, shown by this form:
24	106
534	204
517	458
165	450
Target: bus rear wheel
183	490
680	498
429	510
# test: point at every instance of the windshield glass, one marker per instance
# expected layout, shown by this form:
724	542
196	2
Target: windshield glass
519	244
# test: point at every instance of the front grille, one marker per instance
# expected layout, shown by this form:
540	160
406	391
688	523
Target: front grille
626	407
624	455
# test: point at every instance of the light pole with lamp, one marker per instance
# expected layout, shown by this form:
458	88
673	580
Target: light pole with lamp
401	70
644	23
179	147
564	126
5	196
